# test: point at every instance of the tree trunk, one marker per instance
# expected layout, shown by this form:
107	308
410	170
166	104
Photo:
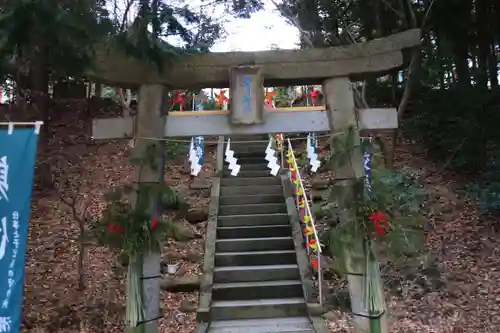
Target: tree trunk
39	75
460	39
483	45
492	55
98	89
493	67
310	21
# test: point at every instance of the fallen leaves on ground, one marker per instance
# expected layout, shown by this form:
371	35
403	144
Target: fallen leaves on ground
466	298
52	301
465	248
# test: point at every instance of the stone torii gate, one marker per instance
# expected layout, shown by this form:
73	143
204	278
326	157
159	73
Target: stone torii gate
246	74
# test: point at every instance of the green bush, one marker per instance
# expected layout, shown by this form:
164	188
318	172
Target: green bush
455	125
487	189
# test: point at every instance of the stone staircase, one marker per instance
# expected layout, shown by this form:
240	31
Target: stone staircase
256	284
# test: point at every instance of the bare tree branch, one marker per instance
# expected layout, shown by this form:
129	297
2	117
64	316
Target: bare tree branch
125	15
399	14
295	22
414	67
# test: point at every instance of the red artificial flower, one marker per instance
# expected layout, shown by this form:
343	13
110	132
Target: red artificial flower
116	229
179	98
314	94
221	97
380	220
154	222
312	243
269	96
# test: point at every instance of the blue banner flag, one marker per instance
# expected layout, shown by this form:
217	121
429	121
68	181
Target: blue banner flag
199	141
314	142
367	157
17	164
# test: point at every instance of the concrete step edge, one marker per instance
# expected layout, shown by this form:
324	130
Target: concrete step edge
252	178
255	205
250	195
253	253
259	302
254	268
255	284
254	226
258	329
258	322
241	186
271	239
249	215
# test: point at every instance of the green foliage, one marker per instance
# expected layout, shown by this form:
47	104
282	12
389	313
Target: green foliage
396	194
282	98
486	190
62	33
399	190
129	225
211	104
172	150
456	124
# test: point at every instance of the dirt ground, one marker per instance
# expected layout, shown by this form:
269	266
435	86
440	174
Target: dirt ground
53	302
465	250
460	296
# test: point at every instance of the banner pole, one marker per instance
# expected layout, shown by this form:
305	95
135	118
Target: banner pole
17	165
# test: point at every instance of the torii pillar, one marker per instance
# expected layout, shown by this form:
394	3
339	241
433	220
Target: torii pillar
340	98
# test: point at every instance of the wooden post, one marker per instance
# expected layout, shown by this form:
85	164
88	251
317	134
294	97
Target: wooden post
339	96
150	125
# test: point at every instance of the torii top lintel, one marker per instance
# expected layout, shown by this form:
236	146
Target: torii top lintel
279	67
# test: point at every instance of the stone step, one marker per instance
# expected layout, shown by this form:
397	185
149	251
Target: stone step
252	220
253	309
256	273
253	258
249	190
242	181
273	325
251	199
261	153
260	166
254	231
251	148
259	329
271	208
247	137
254	244
249	173
257	290
245	160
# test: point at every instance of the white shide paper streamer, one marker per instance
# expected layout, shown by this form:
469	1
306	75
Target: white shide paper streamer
311	154
234	167
194	160
272	159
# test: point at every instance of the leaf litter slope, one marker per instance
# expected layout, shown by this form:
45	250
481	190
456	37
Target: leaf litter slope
461	293
52	302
